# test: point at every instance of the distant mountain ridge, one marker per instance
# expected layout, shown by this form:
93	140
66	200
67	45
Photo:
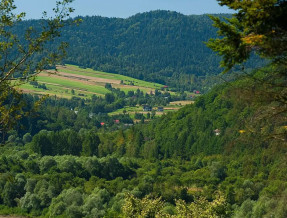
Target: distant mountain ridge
160	46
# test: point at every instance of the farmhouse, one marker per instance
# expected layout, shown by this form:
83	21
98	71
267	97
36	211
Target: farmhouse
160	109
147	108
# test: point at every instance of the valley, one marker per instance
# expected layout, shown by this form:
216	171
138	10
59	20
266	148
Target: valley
155	115
69	81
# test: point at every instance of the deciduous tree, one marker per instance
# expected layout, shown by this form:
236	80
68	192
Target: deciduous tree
17	53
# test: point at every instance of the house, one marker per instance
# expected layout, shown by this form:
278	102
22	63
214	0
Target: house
102	123
147	108
217	132
117	121
160	109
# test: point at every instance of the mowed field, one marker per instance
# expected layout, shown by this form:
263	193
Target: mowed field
70	80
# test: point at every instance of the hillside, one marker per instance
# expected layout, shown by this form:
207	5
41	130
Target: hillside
86	151
70	80
103	92
210	154
158	46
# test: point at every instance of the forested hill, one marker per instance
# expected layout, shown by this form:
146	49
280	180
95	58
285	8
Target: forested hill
160	46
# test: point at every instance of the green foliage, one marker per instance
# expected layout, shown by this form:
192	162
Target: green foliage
17	51
148	207
65	142
159	46
219	157
90	144
145	207
257	25
67	204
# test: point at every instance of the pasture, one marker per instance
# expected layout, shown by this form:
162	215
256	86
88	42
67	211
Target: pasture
70	80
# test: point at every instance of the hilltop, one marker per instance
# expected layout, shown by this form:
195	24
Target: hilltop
159	46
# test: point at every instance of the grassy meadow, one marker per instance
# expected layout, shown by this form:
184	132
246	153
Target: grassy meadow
70	80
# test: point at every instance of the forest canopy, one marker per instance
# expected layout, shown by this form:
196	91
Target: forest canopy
223	156
261	27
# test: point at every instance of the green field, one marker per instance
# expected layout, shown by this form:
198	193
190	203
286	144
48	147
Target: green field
73	85
173	106
85	83
89	72
53	90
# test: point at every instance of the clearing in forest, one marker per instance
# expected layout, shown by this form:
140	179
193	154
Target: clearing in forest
71	80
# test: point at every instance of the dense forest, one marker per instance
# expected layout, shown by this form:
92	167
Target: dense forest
223	156
159	46
55	114
97	172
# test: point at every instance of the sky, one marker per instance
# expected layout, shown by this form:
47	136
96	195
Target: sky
121	8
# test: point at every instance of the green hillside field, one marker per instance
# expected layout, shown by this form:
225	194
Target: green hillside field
85	83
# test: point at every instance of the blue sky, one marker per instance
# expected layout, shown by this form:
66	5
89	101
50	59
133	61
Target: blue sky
122	8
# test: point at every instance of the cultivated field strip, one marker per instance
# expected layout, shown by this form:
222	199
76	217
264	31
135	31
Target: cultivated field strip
70	80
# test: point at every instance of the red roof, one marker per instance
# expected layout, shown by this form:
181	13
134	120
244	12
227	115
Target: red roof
102	124
117	121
